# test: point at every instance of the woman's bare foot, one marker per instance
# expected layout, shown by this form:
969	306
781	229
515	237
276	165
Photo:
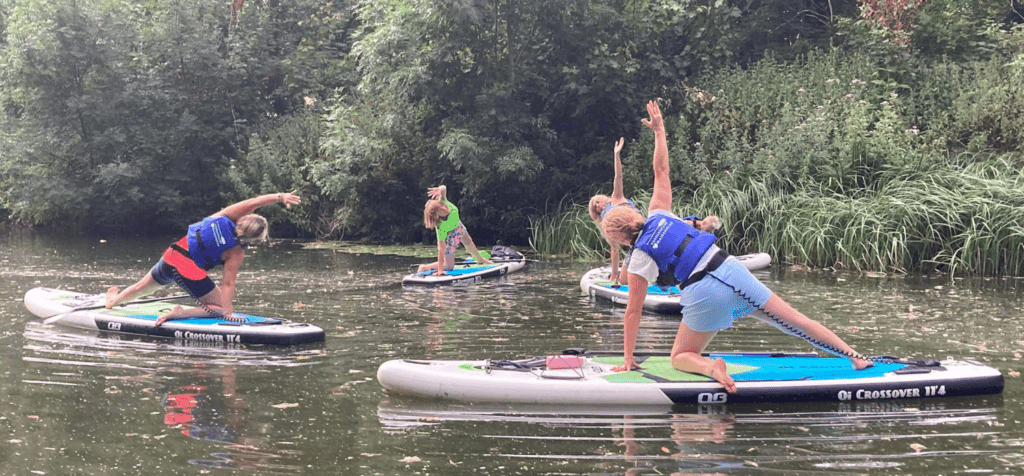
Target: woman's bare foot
169	315
720	374
112	293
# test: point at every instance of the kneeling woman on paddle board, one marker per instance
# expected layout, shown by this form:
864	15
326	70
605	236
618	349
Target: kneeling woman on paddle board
715	288
443	216
216	240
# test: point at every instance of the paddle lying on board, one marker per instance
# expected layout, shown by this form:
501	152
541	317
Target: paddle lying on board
57	317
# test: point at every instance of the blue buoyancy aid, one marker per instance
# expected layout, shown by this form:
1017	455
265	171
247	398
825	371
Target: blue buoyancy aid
209	239
674	245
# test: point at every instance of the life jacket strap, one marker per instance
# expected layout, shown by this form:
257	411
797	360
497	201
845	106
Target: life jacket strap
180	259
713	264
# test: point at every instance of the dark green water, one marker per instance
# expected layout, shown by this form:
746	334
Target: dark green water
73	402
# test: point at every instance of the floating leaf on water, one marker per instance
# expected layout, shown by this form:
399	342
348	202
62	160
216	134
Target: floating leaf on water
917	447
410	459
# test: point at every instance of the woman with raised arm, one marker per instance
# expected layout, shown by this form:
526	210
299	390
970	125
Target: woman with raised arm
218	239
716	289
443	216
600	205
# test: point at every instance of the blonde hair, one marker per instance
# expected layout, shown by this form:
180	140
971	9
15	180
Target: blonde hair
622	224
597	205
252	228
432	212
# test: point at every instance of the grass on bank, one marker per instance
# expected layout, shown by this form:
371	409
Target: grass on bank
963	219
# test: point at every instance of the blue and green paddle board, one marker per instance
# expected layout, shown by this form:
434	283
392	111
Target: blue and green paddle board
86	311
588	379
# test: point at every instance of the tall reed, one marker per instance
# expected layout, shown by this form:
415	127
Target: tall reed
956	218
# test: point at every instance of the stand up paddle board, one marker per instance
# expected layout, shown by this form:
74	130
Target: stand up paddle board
587	379
598	283
506	260
85	311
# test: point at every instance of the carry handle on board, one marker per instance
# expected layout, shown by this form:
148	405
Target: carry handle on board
57	317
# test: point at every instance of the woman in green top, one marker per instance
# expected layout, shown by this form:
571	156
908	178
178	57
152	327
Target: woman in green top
443	216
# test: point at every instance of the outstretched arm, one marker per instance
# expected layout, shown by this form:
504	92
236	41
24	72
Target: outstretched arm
661	198
617	194
248	206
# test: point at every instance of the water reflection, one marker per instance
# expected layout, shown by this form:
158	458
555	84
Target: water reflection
183	392
717	439
205	404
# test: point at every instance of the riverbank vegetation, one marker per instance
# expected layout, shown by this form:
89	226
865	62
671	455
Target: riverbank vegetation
861	134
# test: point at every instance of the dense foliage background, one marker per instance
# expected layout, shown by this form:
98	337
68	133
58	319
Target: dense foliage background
872	134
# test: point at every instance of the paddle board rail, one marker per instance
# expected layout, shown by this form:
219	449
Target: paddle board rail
588	379
464	273
80	311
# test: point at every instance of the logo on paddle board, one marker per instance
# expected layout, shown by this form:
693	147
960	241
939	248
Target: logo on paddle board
187	335
862	394
717	397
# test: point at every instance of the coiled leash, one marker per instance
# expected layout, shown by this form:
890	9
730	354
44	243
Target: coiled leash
792	330
181	283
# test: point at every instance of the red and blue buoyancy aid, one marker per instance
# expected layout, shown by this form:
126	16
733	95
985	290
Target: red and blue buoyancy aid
674	245
209	239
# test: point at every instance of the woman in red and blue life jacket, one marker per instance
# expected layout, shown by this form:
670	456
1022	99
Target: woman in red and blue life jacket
216	240
716	289
601	204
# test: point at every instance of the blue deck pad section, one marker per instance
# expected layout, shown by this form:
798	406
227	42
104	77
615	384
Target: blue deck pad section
463	269
204	321
652	289
802	368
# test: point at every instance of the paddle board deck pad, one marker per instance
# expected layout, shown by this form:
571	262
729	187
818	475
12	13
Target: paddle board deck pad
760	377
465	273
598	284
140	319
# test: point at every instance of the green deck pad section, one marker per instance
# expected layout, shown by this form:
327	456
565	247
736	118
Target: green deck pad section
661	368
751	367
652	289
152	310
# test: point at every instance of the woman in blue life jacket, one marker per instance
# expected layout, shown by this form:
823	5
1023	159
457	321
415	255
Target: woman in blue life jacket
216	240
443	216
600	205
715	288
